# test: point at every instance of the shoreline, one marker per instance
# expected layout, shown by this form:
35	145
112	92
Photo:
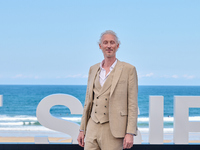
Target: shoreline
30	140
27	137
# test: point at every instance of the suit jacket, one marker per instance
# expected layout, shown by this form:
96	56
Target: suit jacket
123	104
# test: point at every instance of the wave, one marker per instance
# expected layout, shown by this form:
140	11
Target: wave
146	119
32	120
18	123
165	130
30	123
44	129
18	118
33	128
168	119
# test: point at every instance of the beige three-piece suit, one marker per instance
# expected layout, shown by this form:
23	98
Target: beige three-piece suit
111	109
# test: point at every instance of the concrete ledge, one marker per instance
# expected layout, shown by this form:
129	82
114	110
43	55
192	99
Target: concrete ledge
77	147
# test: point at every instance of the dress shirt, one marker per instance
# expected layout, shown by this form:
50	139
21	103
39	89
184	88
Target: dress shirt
102	74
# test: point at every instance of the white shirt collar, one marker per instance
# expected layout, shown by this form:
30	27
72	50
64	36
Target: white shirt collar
102	74
111	67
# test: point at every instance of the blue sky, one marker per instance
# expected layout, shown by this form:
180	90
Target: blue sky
55	42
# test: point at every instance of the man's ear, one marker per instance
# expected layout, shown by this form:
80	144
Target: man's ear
118	45
100	45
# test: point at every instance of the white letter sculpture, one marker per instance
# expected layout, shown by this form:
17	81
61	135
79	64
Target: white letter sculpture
1	100
47	120
156	119
182	125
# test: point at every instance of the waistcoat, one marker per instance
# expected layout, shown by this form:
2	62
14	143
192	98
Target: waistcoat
100	108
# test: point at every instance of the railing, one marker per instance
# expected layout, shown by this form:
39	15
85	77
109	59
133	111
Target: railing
77	147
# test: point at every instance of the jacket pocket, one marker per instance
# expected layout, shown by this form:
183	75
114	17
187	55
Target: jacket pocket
123	113
121	81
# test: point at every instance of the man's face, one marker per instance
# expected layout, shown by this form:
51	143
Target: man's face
109	45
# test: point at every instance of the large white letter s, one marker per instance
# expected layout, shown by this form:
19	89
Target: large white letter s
51	122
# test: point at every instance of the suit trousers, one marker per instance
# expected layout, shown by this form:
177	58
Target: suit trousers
99	137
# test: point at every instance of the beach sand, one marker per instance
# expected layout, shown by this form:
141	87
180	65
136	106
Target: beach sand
29	136
57	140
31	140
168	139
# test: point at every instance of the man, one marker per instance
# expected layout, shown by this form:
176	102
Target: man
109	119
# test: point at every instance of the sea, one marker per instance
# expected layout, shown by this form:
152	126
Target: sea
18	112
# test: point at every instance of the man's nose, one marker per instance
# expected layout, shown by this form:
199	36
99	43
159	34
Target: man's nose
109	45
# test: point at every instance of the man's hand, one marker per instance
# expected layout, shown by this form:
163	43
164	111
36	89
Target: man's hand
128	141
80	138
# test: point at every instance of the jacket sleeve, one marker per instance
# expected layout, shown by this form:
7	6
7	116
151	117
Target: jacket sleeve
84	116
132	102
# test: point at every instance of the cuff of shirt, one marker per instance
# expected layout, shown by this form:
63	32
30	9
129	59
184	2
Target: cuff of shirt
131	134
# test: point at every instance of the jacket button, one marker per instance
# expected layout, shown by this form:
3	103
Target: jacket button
95	112
104	113
105	106
97	97
96	105
106	99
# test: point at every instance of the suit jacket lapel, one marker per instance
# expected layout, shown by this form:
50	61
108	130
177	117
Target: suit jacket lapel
92	77
118	71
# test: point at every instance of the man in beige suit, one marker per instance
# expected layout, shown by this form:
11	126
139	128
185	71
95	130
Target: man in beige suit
109	120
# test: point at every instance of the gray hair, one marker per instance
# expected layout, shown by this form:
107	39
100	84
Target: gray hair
109	32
